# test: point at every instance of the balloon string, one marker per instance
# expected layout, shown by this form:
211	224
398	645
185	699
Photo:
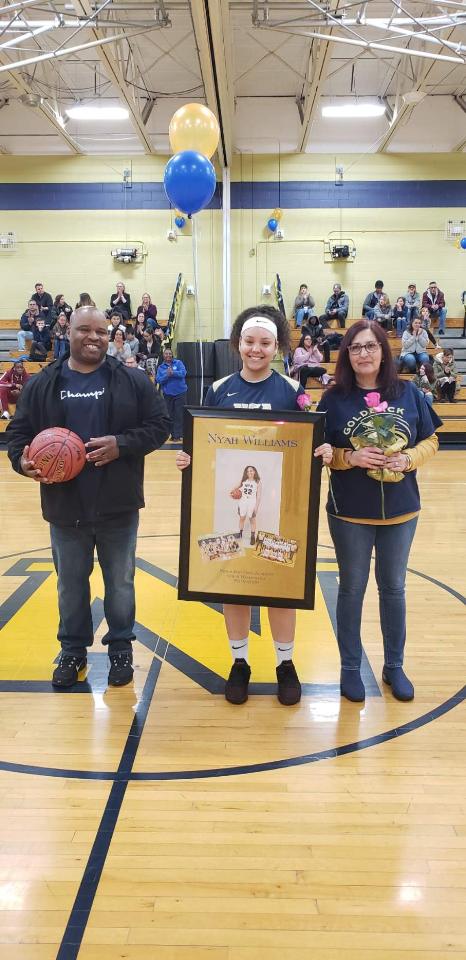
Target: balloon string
197	321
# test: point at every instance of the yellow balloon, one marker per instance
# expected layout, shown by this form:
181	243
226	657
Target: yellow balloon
194	127
277	213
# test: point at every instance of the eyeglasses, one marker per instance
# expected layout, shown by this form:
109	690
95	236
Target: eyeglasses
356	348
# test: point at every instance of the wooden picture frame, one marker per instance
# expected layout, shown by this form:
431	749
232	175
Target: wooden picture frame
250	507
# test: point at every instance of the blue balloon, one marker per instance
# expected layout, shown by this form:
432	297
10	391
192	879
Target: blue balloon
272	224
180	222
463	243
189	181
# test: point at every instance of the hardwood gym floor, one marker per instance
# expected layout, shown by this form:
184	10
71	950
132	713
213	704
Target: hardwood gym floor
158	821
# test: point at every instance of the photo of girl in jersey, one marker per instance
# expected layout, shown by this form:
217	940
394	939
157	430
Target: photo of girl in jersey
250	490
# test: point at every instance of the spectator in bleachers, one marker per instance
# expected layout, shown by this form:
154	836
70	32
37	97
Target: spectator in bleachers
413	347
140	324
147	308
446	376
434	300
304	306
118	347
116	323
412	301
120	302
315	329
60	306
85	300
463	301
61	336
400	318
11	384
131	340
372	300
337	307
27	324
382	312
151	345
425	381
426	324
307	360
44	302
171	377
41	342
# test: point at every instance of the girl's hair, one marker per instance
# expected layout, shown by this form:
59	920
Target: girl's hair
57	299
245	474
115	331
388	381
429	372
448	352
61	316
385	298
85	300
303	337
129	328
401	298
271	313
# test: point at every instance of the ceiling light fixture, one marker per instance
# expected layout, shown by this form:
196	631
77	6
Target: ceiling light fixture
356	110
95	112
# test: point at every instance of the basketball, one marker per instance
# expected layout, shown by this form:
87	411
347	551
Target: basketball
236	493
58	453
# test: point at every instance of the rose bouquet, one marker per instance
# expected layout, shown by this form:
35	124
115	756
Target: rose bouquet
380	430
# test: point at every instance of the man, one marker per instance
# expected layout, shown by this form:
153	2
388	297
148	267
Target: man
412	302
372	300
11	384
44	302
336	307
27	324
434	300
171	376
121	418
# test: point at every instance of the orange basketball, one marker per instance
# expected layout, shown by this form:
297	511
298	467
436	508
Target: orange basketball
236	493
58	453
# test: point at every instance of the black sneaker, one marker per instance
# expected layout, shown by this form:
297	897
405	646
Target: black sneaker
67	669
121	669
289	687
236	687
253	539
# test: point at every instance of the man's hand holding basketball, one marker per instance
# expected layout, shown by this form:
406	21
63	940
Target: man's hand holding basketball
29	470
102	450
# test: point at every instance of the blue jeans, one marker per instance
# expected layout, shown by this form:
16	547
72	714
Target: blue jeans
401	324
353	544
303	313
428	397
412	360
442	316
22	336
413	312
73	556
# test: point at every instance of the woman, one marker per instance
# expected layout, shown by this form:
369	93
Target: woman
363	513
85	300
413	347
425	382
248	504
383	312
147	308
400	316
306	361
11	384
314	327
118	347
446	376
257	334
61	338
150	343
303	306
426	324
140	325
120	302
60	306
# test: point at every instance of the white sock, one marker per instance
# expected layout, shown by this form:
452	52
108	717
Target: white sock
283	651
239	649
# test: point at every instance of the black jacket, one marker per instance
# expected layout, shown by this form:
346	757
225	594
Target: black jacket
136	415
45	303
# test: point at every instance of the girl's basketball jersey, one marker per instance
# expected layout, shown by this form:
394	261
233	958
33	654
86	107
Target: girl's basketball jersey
249	489
276	392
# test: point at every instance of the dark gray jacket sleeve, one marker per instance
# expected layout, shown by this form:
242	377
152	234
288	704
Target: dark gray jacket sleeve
154	424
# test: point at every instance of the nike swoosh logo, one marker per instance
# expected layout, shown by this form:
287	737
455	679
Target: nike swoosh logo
233	394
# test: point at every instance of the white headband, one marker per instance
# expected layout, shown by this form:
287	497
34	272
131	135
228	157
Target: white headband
260	322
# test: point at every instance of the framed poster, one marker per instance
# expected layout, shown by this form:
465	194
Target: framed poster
250	507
